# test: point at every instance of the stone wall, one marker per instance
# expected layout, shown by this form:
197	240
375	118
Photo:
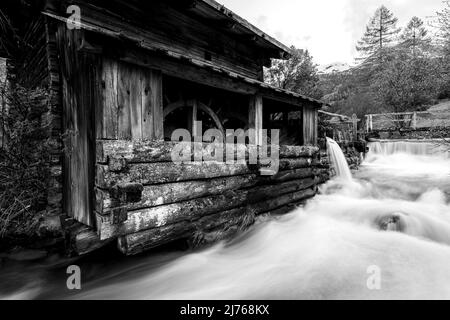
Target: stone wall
420	133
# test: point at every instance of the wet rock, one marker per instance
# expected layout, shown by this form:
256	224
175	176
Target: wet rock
391	222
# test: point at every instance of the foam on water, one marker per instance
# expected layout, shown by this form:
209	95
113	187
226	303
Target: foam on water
394	214
338	160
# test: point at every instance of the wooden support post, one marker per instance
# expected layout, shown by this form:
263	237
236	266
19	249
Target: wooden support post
156	87
414	120
370	122
309	121
355	127
196	133
255	120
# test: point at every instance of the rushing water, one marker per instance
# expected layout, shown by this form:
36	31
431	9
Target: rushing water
338	160
392	217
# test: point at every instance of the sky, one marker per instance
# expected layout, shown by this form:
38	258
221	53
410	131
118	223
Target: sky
329	29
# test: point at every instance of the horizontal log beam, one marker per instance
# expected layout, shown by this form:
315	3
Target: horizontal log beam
165	172
297	151
298	163
209	228
168	214
195	209
161	151
271	191
162	194
83	239
148	239
271	204
288	175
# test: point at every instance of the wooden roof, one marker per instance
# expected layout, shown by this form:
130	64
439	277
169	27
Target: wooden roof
234	24
247	83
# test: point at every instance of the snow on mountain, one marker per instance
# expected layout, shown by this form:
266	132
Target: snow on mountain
333	67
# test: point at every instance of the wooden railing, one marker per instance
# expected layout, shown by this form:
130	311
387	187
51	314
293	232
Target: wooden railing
339	119
409	119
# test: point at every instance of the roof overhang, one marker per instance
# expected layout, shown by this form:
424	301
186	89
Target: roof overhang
251	85
241	27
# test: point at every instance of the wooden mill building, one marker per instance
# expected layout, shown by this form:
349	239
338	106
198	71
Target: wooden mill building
122	76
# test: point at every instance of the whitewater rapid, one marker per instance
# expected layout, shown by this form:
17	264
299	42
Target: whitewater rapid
394	216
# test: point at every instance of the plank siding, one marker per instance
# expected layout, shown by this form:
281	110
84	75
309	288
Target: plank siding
80	72
131	107
108	126
255	113
135	103
124	100
309	125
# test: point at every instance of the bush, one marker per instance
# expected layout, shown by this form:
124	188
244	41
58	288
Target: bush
24	160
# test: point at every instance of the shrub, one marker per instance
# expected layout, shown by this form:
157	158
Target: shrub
24	160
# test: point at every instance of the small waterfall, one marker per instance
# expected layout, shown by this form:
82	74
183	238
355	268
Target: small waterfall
412	147
338	160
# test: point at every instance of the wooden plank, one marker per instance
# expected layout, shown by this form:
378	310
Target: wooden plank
79	73
160	151
147	105
124	100
156	85
255	114
309	126
110	102
154	173
156	195
135	103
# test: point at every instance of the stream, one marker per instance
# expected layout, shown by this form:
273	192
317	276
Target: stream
383	233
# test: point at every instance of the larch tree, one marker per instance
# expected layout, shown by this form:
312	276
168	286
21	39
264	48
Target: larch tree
443	17
381	33
415	35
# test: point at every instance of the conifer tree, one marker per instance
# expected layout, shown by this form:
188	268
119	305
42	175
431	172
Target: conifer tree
381	33
415	35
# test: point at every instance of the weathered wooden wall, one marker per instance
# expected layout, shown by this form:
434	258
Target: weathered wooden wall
145	199
310	119
131	104
80	78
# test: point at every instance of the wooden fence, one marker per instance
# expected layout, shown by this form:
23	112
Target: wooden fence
399	119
